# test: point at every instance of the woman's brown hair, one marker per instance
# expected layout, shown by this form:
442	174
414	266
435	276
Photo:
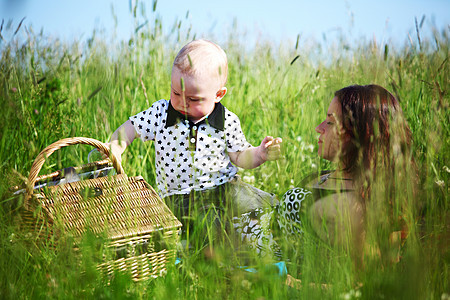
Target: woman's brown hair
379	134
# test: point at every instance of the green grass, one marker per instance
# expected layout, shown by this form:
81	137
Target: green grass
52	90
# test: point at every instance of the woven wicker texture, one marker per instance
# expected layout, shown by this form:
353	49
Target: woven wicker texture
140	228
44	154
117	205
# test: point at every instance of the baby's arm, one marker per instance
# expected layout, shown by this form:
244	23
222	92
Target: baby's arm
253	157
121	138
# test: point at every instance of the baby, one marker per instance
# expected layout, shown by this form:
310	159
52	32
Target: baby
199	143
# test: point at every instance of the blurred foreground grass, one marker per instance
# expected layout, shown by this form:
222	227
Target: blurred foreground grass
52	90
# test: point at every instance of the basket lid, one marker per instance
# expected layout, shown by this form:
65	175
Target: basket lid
118	206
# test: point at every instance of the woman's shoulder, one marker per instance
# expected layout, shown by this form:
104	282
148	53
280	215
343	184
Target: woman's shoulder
305	187
320	185
311	180
348	196
328	180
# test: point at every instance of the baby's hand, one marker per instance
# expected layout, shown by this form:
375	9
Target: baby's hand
270	148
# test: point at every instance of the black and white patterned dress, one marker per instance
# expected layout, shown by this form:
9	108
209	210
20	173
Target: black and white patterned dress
257	228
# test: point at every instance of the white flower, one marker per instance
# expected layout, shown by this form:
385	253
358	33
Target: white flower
314	166
249	179
346	296
351	295
299	139
440	183
163	272
246	284
447	169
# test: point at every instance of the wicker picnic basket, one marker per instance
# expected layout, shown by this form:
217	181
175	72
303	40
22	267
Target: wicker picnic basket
141	232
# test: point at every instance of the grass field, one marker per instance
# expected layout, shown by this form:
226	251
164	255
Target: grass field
52	90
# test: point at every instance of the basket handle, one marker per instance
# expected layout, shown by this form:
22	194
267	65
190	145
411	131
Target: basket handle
40	159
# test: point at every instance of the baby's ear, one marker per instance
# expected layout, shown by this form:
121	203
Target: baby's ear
220	94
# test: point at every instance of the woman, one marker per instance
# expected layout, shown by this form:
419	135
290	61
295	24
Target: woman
366	136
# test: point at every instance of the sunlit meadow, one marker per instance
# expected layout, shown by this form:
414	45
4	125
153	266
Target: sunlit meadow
52	90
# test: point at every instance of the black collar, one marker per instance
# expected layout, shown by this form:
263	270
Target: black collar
215	119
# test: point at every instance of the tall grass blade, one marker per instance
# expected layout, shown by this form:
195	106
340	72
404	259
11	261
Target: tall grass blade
18	27
94	92
295	58
418	33
422	21
140	26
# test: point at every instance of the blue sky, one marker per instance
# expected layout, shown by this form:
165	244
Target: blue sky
278	20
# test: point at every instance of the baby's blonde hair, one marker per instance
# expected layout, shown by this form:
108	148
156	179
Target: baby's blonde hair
202	57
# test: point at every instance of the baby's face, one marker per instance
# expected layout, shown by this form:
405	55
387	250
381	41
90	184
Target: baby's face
199	97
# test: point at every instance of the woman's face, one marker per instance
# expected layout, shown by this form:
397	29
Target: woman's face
331	139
